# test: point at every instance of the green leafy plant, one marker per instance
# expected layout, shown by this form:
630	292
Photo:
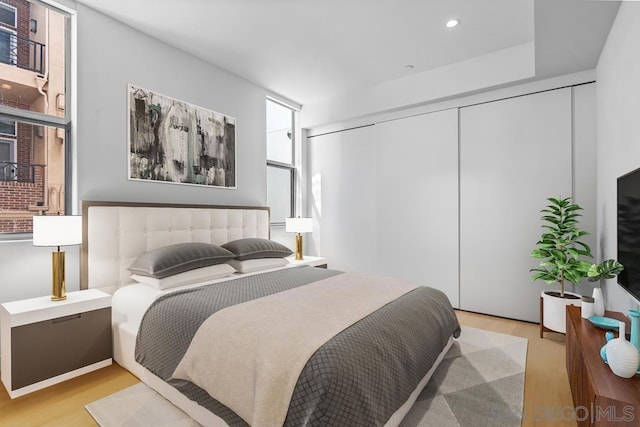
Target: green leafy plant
607	269
559	249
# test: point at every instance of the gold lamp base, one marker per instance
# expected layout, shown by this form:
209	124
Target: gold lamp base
58	288
299	247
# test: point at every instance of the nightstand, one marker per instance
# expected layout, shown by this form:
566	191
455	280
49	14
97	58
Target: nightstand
314	261
45	342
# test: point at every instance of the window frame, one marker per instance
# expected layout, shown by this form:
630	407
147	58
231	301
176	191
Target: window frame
67	122
292	172
13	46
34	118
3	135
15	14
11	142
12	149
291	167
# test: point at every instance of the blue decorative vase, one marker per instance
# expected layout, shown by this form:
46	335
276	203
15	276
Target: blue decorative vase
603	351
635	328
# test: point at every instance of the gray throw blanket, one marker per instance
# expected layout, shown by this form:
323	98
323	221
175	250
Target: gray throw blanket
256	380
359	377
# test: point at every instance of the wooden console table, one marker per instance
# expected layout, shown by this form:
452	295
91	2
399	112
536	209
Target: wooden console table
600	397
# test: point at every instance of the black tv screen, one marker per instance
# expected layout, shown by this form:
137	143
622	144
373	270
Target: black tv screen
629	231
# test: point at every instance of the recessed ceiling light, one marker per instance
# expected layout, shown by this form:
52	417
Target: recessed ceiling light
5	86
452	23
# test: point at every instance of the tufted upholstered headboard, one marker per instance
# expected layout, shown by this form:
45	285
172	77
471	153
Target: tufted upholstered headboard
116	233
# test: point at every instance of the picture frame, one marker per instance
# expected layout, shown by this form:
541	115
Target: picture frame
173	141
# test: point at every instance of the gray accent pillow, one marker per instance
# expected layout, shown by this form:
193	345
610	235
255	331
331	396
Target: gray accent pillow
258	264
253	248
173	259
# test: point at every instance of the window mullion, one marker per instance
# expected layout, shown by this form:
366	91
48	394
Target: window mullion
32	117
280	164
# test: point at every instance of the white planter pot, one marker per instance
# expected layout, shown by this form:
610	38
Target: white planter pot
554	310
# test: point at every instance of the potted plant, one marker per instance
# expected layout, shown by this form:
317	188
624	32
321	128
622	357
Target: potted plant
561	254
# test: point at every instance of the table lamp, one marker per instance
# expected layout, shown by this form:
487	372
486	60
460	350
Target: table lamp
298	225
57	231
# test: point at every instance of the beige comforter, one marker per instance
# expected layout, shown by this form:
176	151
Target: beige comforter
249	356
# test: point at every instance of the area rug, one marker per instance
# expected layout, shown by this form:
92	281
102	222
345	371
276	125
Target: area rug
480	382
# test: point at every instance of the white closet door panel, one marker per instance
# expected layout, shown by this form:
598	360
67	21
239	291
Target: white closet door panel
514	154
343	198
417	180
585	151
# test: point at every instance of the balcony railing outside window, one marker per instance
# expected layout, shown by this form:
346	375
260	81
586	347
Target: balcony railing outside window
19	172
21	52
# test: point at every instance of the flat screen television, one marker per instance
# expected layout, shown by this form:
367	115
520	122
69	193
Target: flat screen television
629	232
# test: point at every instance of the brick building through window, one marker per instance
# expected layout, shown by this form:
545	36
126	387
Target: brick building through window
32	80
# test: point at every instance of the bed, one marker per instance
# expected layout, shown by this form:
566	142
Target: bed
359	351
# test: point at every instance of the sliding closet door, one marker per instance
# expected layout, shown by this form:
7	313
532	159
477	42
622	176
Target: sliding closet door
417	204
514	154
343	198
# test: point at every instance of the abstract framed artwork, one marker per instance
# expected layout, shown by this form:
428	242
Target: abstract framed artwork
173	141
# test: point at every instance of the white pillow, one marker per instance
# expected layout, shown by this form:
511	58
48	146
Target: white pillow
188	277
251	265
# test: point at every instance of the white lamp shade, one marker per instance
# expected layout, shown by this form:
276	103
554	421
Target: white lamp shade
299	225
57	230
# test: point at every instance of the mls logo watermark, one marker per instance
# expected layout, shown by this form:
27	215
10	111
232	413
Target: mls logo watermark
592	413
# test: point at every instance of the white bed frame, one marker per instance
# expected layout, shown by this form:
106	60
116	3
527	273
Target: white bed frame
116	233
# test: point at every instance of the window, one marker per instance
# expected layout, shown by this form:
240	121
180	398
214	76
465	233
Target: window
280	193
7	157
34	125
8	15
8	40
7	127
280	161
8	47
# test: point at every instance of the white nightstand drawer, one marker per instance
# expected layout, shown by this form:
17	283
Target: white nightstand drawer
44	342
53	347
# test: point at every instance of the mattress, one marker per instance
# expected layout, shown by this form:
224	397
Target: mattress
131	302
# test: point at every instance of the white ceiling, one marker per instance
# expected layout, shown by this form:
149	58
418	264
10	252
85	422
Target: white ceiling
307	50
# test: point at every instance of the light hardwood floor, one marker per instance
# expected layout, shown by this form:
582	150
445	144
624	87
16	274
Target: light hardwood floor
547	398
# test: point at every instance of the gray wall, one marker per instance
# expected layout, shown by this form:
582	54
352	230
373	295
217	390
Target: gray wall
618	107
111	55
